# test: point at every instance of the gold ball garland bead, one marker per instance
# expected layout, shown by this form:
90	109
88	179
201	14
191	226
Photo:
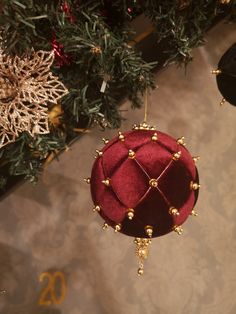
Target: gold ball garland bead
121	137
176	156
131	154
154	137
130	213
117	227
105	140
194	186
149	231
153	183
216	72
174	211
178	230
181	141
96	208
87	180
106	182
194	213
105	226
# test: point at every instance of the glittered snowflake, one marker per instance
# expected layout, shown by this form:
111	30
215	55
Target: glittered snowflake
27	87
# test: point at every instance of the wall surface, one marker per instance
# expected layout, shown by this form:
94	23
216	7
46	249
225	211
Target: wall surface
51	227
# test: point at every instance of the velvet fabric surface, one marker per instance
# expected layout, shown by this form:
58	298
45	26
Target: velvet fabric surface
226	80
130	188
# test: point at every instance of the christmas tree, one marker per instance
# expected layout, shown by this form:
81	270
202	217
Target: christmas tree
66	65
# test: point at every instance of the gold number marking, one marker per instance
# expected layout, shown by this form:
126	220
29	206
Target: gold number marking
48	294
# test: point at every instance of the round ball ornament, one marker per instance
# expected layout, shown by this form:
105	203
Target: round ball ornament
144	184
226	75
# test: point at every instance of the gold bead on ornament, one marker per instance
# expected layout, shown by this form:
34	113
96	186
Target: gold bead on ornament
181	141
96	208
216	72
194	186
105	226
117	227
131	154
178	230
196	158
87	180
106	182
176	156
174	211
99	153
154	137
130	213
121	137
194	213
149	231
222	101
105	140
140	271
153	183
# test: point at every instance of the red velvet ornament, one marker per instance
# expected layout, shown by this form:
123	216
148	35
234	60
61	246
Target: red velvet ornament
144	183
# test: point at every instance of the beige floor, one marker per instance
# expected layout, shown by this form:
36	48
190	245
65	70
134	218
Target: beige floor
51	226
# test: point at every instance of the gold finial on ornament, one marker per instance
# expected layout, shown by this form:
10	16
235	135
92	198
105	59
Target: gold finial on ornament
105	226
121	137
105	140
99	153
194	186
154	137
222	101
130	213
106	182
153	183
131	154
196	158
194	213
87	180
143	126
181	141
140	270
176	156
174	211
97	208
149	231
142	251
117	227
216	72
178	229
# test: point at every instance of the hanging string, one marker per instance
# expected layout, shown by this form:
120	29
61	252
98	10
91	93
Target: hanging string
145	106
